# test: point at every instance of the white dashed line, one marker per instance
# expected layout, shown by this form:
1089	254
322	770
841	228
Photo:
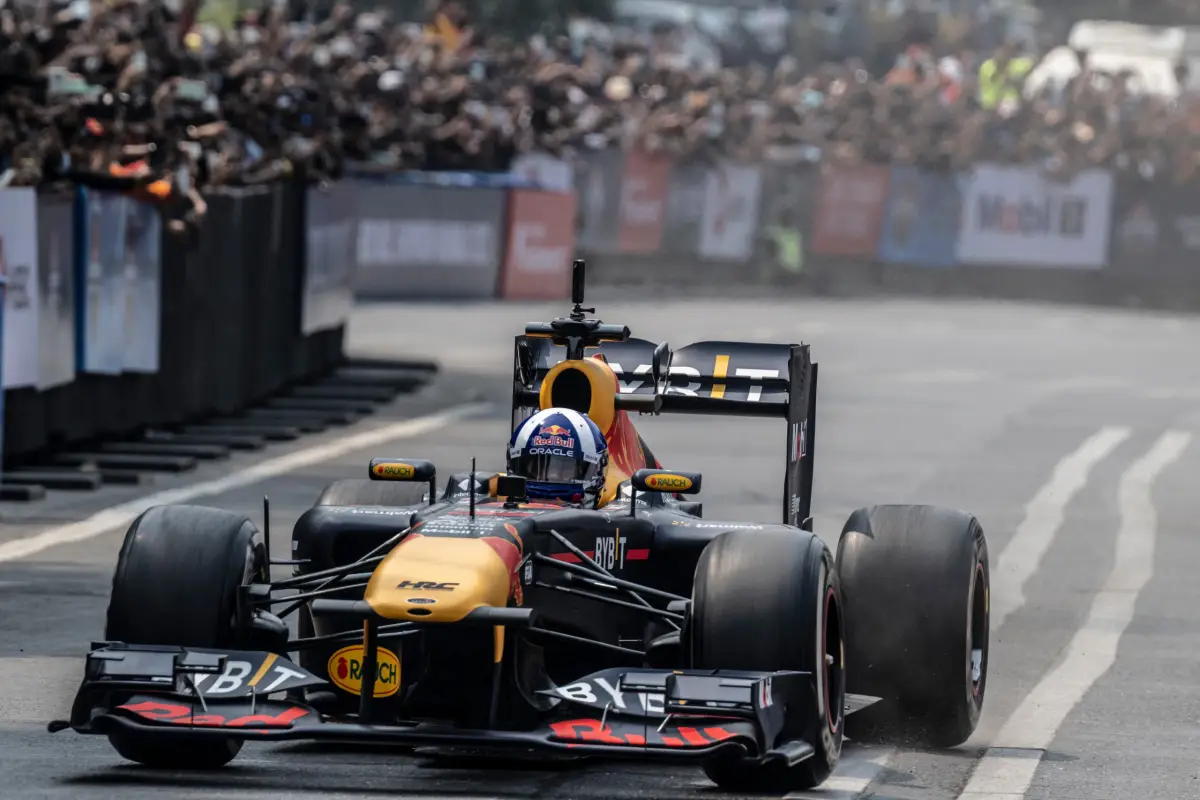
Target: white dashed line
1019	559
121	515
1006	772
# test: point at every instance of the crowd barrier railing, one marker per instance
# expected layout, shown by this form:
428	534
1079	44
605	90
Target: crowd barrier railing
118	332
995	229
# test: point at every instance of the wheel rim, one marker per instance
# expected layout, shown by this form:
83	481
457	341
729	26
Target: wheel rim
978	634
833	657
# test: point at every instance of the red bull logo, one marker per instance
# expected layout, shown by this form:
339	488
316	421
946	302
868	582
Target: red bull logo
553	436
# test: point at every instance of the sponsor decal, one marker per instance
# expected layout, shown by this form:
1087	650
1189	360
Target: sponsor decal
693	388
345	670
593	731
725	526
427	586
668	483
265	675
389	512
553	436
394	471
566	452
799	440
610	551
184	715
1062	216
600	692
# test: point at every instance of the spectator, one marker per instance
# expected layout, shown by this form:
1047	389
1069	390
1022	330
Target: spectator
130	94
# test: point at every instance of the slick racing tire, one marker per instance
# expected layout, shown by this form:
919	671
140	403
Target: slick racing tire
176	583
769	601
915	583
362	492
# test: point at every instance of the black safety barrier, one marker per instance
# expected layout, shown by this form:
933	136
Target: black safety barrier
228	321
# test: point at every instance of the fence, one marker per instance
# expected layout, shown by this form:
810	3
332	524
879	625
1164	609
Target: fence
993	230
112	324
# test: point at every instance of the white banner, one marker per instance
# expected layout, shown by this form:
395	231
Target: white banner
550	173
143	274
731	196
1013	215
18	264
103	284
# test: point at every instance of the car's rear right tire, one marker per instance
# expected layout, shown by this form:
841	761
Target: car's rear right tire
176	583
770	601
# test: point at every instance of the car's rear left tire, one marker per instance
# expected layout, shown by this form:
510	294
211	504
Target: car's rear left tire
916	584
176	583
363	492
769	601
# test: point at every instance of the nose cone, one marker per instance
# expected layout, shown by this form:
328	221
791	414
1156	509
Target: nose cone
434	579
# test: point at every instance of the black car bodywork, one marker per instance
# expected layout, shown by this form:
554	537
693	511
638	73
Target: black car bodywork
467	614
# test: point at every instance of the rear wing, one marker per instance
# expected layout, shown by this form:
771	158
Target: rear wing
718	378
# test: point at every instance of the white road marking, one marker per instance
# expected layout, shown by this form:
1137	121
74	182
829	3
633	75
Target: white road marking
1007	771
121	515
1044	514
853	776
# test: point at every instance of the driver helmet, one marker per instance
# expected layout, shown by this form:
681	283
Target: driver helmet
562	455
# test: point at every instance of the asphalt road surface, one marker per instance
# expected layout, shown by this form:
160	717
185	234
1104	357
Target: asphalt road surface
1069	433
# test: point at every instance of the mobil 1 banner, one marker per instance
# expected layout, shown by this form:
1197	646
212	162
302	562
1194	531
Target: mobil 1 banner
18	266
56	290
429	241
143	286
598	187
684	219
100	282
1021	217
331	230
1156	227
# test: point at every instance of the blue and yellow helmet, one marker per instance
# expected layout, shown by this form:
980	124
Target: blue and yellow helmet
562	455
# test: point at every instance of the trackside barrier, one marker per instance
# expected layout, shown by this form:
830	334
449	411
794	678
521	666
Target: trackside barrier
992	230
113	324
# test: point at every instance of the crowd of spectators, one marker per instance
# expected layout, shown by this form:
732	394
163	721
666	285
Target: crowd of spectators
136	90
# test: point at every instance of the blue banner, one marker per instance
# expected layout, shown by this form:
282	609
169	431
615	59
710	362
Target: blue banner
100	282
921	218
143	245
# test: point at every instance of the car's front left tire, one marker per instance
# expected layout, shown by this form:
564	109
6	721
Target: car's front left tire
176	583
770	601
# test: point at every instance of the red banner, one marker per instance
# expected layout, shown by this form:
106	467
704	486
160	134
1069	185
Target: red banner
850	210
643	203
541	244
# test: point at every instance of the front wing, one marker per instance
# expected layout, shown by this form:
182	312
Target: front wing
163	691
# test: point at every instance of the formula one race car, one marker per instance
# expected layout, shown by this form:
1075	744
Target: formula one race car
474	617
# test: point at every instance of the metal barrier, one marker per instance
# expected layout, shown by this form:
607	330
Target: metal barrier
1002	230
114	327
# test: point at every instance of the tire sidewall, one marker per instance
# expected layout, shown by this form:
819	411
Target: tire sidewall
827	739
980	581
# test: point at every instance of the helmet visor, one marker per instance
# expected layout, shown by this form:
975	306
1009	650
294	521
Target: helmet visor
551	468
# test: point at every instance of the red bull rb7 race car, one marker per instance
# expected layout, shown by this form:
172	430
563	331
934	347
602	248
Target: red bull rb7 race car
467	614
